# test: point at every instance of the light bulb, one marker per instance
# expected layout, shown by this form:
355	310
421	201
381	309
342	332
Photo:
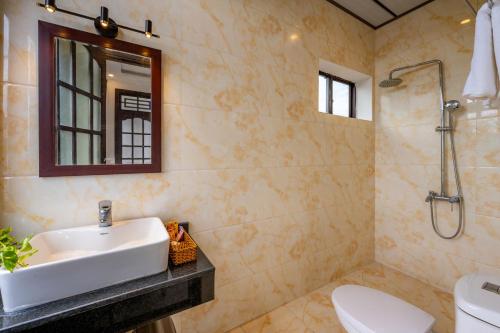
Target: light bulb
104	17
148	28
50	5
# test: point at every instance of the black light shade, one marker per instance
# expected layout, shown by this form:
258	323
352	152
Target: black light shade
104	18
104	25
50	5
148	29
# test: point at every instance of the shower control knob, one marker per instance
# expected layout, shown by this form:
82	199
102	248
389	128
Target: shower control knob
431	196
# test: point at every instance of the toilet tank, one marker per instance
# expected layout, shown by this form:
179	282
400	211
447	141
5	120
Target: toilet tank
477	304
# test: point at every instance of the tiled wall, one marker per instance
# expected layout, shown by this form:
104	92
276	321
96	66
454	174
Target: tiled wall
280	197
408	153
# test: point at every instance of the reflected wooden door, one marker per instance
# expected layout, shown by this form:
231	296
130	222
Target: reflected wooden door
133	127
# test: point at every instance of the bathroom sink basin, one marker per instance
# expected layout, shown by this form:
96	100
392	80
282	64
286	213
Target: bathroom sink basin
77	260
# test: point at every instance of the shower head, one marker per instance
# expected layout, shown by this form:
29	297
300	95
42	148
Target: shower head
390	82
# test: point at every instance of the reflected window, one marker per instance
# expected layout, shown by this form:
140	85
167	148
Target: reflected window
133	120
78	96
336	96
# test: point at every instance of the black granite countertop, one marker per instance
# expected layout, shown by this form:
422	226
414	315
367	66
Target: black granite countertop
123	306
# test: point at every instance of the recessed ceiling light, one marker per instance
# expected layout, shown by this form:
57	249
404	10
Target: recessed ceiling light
465	21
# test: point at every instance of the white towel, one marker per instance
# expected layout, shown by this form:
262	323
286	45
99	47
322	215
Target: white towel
482	80
495	22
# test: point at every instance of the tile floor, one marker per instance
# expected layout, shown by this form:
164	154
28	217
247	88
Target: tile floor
314	312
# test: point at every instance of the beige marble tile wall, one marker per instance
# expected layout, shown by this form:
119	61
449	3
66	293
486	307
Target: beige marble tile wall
280	197
408	153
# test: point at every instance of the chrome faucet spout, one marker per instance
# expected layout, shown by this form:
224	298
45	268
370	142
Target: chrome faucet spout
105	216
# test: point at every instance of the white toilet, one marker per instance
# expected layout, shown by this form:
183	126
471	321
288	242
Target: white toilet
477	304
366	310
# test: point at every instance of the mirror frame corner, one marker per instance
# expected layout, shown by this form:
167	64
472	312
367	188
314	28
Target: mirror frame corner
47	32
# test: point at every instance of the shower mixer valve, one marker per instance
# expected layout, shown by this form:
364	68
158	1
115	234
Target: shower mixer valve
430	196
435	196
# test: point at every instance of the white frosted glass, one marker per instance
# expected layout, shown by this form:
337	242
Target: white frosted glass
82	149
126	152
147	140
65	107
137	152
82	111
137	139
97	78
97	149
97	116
137	125
147	127
65	148
64	60
127	139
127	125
82	67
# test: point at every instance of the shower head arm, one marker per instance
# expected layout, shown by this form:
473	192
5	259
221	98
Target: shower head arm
430	62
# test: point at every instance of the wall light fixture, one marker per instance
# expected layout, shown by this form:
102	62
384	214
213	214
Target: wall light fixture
104	25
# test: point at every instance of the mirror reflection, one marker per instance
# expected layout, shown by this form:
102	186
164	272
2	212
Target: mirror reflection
103	105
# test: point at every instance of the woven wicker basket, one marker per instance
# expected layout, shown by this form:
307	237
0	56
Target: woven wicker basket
180	252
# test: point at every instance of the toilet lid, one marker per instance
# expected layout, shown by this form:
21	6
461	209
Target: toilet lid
370	310
472	298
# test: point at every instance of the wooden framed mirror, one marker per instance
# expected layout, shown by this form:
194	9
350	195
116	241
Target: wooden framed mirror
99	104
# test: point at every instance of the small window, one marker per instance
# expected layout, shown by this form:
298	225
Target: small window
336	96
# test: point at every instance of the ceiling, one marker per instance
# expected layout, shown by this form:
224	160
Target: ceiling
377	13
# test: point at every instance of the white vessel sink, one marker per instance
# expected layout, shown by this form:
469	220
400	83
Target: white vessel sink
78	260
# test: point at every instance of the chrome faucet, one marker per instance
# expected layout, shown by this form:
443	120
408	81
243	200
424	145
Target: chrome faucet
105	218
